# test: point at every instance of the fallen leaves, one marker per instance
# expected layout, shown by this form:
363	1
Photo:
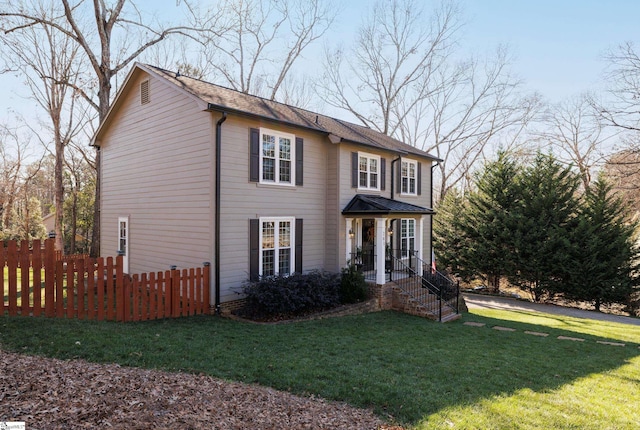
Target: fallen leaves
74	394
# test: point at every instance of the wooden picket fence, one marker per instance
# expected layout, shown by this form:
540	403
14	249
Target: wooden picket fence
95	288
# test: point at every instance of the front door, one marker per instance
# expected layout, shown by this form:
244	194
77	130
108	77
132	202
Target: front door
368	243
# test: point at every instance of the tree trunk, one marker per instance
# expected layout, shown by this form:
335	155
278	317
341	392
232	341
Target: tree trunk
59	192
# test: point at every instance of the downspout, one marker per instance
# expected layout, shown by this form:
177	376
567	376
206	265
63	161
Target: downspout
216	272
393	177
431	217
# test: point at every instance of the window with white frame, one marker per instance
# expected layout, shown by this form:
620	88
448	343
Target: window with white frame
407	236
123	233
368	171
276	157
276	246
408	173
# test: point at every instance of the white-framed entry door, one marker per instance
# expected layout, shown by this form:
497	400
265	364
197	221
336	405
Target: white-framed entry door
123	241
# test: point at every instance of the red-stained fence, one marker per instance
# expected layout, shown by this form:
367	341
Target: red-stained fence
39	281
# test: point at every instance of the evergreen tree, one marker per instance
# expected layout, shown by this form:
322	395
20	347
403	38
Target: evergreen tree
449	240
604	251
542	225
487	222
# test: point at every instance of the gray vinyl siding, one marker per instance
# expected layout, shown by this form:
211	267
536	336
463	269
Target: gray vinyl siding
332	209
243	200
156	169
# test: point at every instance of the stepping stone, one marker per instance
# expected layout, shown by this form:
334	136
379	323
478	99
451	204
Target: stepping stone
537	333
474	324
503	328
604	342
575	339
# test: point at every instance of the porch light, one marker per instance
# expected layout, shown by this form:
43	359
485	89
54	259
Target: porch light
390	231
351	234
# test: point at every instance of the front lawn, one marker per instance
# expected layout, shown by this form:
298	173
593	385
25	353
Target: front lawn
417	372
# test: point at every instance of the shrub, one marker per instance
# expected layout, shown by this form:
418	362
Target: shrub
353	287
290	295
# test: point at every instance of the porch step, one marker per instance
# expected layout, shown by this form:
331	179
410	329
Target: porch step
424	305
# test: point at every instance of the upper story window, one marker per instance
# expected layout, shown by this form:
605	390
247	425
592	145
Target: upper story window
408	176
276	156
368	171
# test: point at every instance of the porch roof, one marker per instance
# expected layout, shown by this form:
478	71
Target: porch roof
363	204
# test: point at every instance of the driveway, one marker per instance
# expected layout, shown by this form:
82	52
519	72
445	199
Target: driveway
480	301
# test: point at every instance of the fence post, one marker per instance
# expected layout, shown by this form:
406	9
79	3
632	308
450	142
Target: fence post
120	299
175	292
12	267
206	287
89	266
49	278
36	264
71	287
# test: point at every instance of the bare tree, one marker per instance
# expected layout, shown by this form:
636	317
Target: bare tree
576	135
110	34
254	44
623	75
49	63
398	51
478	107
12	150
402	80
619	109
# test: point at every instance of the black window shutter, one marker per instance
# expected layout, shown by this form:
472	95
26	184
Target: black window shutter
354	170
383	173
299	160
399	178
254	157
298	239
254	249
419	180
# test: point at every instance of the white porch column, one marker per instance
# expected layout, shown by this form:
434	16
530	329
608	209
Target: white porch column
381	235
349	241
420	243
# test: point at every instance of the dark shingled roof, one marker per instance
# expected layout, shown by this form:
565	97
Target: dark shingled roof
362	204
221	98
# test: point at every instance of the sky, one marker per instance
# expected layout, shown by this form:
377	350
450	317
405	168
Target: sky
557	46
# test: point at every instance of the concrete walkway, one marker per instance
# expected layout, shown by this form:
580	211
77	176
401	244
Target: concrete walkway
480	301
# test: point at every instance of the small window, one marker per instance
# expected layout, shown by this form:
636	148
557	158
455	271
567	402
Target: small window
408	176
368	171
144	92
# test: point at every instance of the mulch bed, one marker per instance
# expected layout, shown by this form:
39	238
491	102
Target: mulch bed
74	394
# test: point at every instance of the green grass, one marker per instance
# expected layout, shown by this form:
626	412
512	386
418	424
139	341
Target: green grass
419	373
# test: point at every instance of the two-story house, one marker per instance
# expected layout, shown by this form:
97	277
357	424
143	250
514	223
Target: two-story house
193	172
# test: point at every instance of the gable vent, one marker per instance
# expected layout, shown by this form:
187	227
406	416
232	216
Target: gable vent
144	92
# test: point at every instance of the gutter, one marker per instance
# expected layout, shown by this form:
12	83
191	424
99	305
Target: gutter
308	125
432	256
217	211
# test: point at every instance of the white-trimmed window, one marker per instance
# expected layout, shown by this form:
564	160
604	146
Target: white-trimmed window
368	171
277	156
407	236
277	246
123	241
408	176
